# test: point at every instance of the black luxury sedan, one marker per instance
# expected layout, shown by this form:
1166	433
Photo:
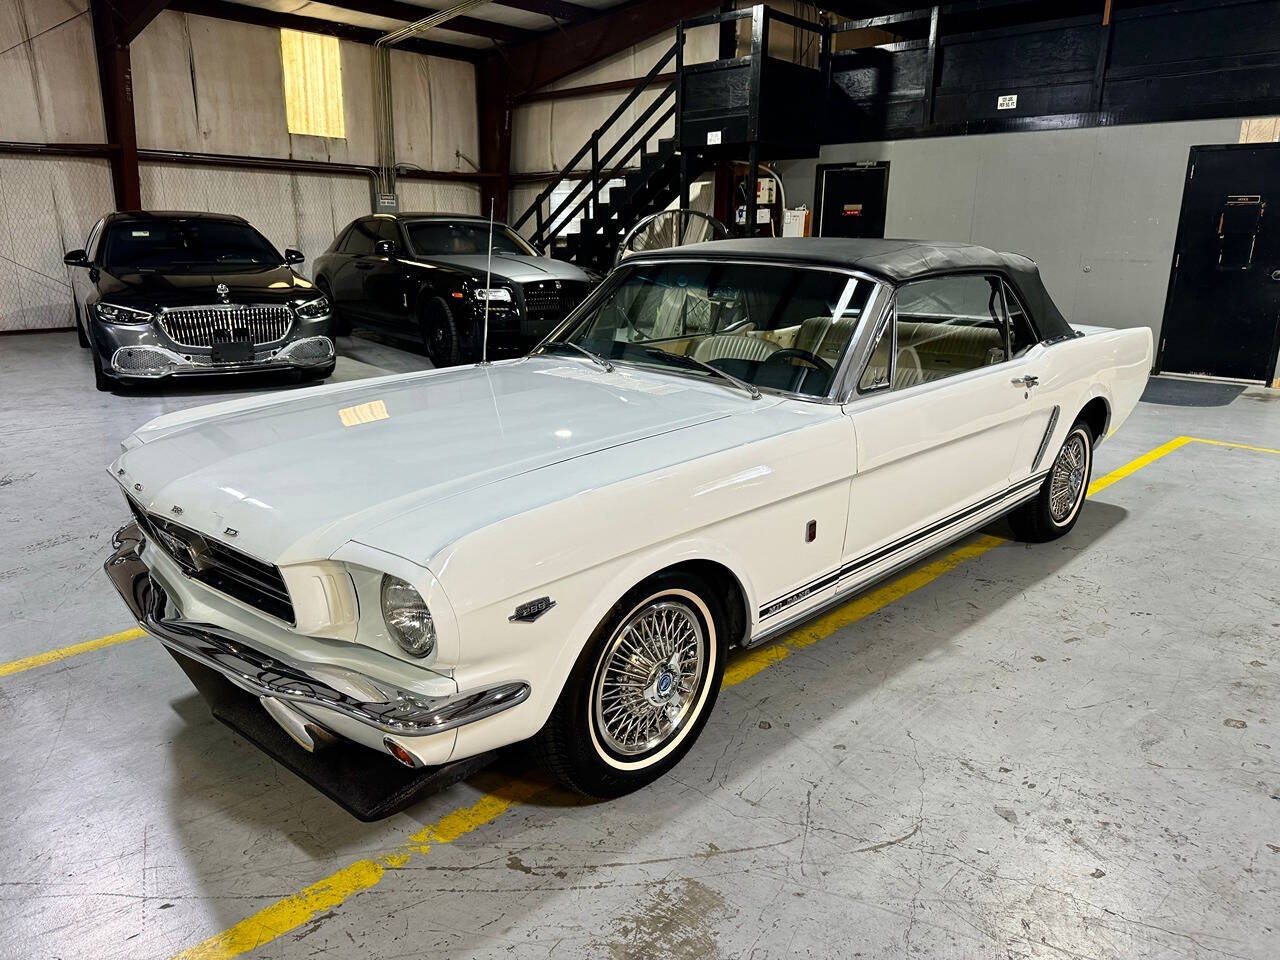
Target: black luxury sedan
171	294
422	276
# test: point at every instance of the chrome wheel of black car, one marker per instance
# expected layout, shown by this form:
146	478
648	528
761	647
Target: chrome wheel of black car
440	334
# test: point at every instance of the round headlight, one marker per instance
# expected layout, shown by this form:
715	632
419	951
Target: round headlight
407	617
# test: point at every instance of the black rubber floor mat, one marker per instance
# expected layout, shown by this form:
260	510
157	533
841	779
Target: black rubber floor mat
1190	393
367	784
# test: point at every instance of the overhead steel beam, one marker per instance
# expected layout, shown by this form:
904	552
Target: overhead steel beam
224	10
412	13
556	9
555	55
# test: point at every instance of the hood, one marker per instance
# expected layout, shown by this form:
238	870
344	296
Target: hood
273	284
298	475
515	268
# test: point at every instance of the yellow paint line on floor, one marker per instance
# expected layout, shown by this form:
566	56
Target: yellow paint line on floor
1133	466
290	913
62	653
1238	446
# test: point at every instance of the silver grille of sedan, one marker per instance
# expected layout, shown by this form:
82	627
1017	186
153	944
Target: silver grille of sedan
204	326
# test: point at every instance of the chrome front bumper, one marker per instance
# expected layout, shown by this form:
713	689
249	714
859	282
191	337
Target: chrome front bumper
371	702
154	361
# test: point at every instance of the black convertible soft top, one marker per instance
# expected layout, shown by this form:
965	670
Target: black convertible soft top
895	261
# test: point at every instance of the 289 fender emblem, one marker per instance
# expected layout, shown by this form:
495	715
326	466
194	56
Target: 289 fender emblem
531	611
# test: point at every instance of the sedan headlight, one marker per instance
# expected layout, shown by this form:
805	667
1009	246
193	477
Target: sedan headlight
407	618
313	309
493	294
113	313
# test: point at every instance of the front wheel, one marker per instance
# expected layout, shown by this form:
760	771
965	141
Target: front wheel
1056	507
641	691
440	333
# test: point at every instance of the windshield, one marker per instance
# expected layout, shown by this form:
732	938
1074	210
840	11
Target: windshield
174	244
779	328
442	238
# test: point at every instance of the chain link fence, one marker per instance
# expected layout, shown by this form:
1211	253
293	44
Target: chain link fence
47	207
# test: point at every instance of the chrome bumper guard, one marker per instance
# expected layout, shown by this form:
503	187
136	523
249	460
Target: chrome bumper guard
374	703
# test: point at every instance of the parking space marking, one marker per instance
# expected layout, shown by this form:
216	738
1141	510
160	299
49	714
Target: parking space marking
62	653
290	913
293	911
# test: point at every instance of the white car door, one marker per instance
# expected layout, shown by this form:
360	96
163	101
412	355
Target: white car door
938	420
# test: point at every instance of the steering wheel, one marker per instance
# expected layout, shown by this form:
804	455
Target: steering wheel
804	356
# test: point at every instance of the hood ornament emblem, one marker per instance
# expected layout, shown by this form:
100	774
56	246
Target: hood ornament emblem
223	292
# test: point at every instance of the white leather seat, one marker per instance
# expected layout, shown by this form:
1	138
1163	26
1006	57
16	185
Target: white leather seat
729	347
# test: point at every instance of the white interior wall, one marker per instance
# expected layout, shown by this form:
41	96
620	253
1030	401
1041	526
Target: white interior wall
1097	208
48	73
213	86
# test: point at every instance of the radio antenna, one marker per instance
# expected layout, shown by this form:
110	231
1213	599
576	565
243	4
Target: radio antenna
488	292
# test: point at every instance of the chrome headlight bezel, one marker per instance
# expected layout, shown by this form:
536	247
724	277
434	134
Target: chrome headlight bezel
316	309
408	620
119	314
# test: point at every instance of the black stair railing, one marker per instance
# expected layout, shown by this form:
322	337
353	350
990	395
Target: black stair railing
548	226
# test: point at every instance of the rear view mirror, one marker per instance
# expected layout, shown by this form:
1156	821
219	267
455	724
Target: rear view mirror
76	258
385	248
293	256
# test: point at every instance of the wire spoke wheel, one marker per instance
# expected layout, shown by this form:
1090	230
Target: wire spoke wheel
1066	485
649	678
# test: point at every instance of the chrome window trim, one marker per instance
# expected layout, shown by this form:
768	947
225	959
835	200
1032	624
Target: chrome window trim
836	393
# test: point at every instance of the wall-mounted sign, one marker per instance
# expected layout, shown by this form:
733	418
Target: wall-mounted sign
713	137
1008	102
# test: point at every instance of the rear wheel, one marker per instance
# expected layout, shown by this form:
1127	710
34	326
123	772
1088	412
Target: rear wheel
1057	506
641	691
440	333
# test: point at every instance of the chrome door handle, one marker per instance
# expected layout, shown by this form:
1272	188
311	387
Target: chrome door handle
1027	381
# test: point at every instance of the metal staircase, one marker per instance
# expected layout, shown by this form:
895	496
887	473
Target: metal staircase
736	109
647	171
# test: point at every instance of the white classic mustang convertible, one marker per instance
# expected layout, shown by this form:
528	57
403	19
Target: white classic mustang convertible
723	440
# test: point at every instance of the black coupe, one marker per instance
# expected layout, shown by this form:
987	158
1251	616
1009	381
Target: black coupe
422	276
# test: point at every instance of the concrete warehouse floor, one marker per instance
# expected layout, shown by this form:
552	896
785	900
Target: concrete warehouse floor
1066	750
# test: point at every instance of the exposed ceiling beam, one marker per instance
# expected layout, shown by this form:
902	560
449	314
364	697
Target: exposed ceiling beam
557	54
411	13
224	10
128	18
556	9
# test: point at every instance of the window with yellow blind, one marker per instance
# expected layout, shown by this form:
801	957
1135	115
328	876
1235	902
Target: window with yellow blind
312	83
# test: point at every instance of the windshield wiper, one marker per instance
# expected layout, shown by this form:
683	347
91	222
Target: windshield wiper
590	355
688	361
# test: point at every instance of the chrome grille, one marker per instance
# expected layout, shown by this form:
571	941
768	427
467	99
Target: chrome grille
219	566
204	326
542	298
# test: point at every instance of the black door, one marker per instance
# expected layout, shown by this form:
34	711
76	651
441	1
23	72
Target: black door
1223	308
851	199
384	282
